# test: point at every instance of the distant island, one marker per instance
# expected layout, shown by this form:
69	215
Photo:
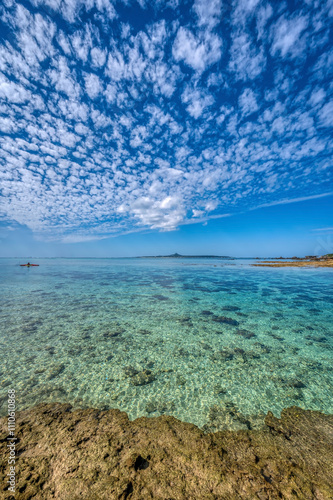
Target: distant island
178	256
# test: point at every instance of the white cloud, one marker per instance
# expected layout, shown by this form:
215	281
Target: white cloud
197	52
104	134
165	214
13	92
247	102
287	39
98	57
93	85
326	115
247	61
197	101
208	12
264	14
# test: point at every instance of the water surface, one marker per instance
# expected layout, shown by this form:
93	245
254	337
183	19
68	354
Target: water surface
216	343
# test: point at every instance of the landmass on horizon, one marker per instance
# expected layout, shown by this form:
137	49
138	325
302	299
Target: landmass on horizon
179	256
308	260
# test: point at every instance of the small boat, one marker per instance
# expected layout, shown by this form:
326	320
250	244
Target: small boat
29	265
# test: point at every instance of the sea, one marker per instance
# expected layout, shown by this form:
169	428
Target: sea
214	342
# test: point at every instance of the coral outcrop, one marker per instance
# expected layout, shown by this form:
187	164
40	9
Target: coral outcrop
91	454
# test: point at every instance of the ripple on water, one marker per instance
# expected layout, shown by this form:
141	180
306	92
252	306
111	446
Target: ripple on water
216	346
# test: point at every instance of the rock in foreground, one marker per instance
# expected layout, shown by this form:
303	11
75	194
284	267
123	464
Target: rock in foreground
93	454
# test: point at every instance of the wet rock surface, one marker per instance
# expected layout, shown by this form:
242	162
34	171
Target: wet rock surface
93	454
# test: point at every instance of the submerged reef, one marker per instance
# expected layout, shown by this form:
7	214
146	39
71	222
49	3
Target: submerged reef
92	454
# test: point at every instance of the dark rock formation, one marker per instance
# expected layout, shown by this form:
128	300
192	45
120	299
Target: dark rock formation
93	454
224	319
143	378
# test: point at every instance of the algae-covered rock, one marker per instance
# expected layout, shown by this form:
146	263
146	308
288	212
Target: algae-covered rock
143	378
96	455
225	319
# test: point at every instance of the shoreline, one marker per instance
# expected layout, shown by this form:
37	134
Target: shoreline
64	453
297	263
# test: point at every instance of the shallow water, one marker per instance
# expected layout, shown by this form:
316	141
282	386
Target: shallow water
221	342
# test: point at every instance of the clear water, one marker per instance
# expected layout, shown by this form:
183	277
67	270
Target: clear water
83	331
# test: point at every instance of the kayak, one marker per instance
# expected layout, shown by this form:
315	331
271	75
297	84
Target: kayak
29	265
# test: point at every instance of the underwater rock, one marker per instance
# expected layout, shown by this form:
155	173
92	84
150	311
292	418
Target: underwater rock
50	350
160	406
277	337
39	370
223	417
205	346
245	333
219	390
224	355
30	328
180	380
230	308
166	406
143	378
130	371
55	371
75	351
151	407
94	454
182	352
319	339
251	355
86	336
160	297
298	384
114	333
224	319
143	331
185	321
264	348
206	313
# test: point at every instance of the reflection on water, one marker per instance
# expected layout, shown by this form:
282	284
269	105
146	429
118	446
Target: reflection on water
208	342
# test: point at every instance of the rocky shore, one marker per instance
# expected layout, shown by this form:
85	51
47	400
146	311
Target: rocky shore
311	261
92	454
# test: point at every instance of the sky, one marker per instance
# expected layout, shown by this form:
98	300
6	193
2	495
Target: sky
133	127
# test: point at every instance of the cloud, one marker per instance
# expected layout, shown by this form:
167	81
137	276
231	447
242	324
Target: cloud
208	12
197	52
287	36
110	126
247	61
197	101
13	92
247	102
165	214
93	85
326	115
295	200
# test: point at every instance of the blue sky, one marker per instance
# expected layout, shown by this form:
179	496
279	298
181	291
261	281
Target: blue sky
130	127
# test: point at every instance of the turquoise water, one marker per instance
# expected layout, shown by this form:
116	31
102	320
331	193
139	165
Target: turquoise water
216	343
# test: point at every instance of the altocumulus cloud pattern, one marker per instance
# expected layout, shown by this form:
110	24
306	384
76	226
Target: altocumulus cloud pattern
118	116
